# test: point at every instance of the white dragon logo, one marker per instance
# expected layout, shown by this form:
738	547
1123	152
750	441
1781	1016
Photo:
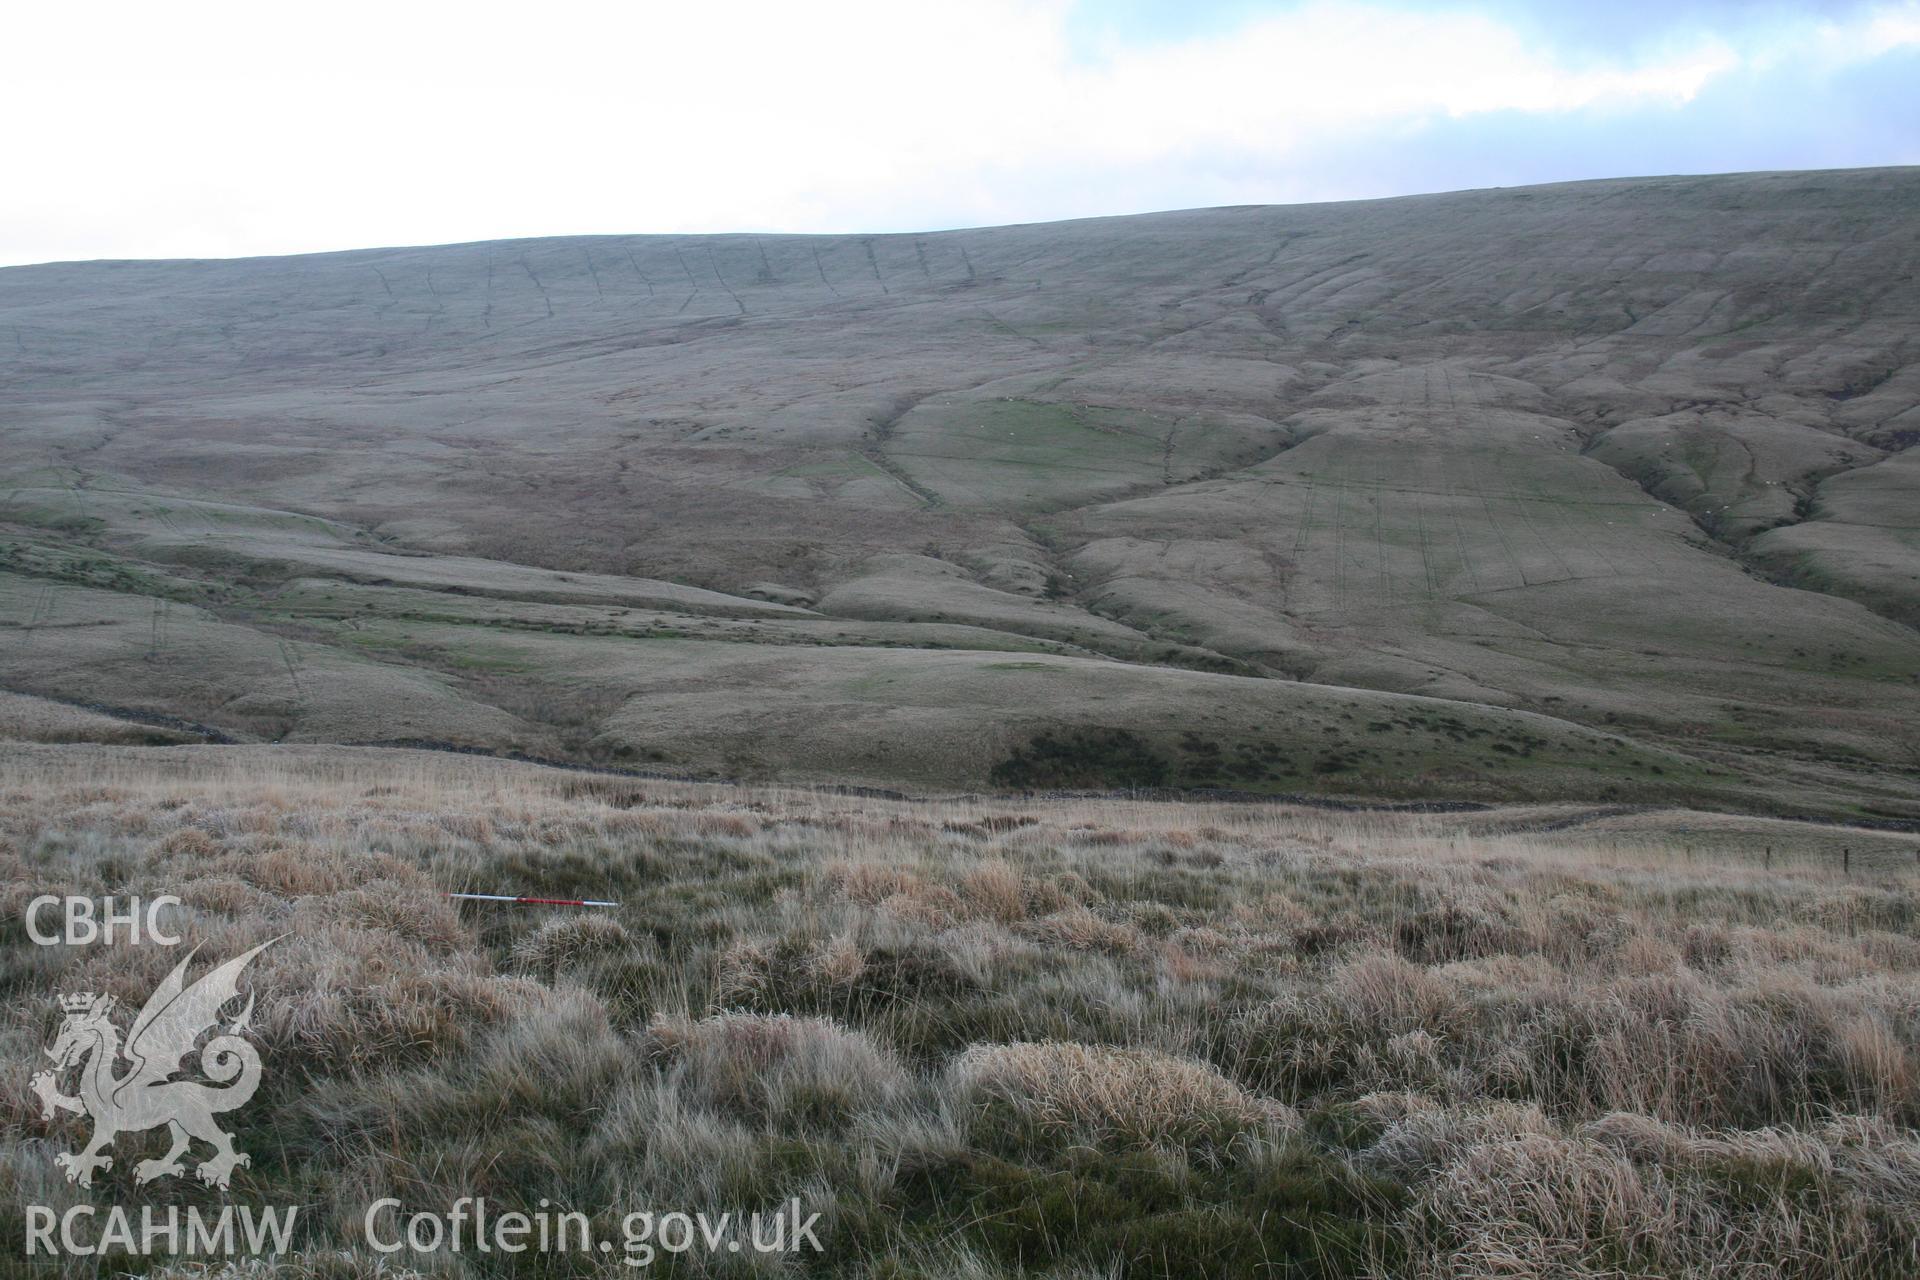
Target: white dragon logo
145	1096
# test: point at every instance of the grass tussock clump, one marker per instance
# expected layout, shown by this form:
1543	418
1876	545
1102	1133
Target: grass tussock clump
1543	1203
776	1067
1505	1190
1106	1097
564	942
1751	1046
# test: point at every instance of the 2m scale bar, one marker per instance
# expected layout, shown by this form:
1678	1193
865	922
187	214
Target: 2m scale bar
539	902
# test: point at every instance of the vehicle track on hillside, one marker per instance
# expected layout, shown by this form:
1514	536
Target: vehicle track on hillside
594	272
714	266
1520	502
1415	385
1478	486
635	264
528	268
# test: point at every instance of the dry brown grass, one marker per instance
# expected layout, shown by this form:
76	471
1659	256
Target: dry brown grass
1536	1202
1472	1053
776	1065
1108	1097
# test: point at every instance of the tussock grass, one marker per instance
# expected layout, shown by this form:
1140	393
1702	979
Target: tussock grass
1107	1097
777	1068
1509	1195
343	1265
1107	1038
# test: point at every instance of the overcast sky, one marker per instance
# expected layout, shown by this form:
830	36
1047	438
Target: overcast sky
220	129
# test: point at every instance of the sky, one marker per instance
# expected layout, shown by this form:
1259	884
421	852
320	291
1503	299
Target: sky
141	130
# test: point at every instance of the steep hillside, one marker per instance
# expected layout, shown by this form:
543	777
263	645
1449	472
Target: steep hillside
1600	490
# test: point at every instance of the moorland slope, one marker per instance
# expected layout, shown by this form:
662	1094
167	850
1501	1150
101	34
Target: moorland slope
1598	490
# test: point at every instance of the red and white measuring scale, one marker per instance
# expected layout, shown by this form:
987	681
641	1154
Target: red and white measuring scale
538	902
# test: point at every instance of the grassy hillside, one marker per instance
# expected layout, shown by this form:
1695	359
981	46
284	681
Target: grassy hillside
1616	476
988	1038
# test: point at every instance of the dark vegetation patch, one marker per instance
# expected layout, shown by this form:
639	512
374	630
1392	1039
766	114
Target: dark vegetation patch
1303	1215
1079	758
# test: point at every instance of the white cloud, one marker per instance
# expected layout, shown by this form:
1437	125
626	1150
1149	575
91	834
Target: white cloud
278	128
